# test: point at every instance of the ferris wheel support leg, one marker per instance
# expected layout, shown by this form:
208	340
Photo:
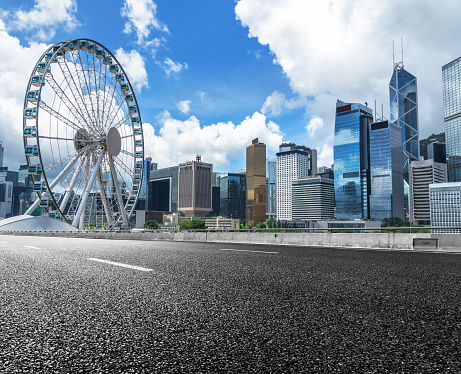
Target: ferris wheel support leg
103	198
89	186
55	182
117	191
69	189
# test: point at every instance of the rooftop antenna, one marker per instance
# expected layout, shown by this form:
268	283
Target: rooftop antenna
375	110
401	43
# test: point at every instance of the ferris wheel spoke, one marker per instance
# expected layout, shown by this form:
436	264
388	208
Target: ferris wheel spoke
65	99
122	121
117	191
128	153
59	116
88	188
111	118
66	158
70	188
76	92
125	168
102	192
56	138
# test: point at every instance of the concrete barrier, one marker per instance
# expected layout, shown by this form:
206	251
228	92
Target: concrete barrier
390	240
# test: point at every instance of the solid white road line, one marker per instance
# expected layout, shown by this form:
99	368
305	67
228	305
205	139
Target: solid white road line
29	246
247	250
140	268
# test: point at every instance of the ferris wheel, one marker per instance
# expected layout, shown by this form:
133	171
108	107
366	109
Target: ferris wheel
83	137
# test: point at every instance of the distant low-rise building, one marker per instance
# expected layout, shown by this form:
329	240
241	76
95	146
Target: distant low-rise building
171	221
221	223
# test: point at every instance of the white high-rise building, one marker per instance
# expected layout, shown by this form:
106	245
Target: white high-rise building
293	162
445	202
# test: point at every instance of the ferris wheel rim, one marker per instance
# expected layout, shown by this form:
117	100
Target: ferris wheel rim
58	50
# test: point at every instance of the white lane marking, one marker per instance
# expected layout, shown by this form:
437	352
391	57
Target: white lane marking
246	250
140	268
29	246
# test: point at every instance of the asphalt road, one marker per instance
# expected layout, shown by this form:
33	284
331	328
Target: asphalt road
209	308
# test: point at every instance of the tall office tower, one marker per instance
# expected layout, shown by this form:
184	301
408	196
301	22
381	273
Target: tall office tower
293	162
386	165
2	151
163	190
451	82
351	152
422	174
233	195
271	191
313	198
143	199
194	185
255	183
215	201
437	152
445	200
404	113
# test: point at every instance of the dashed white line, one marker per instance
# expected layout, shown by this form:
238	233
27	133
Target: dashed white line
140	268
246	250
29	246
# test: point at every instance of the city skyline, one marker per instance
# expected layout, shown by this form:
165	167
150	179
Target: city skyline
199	75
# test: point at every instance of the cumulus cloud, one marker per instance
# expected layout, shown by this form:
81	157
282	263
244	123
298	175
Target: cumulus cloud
172	68
142	18
277	103
343	50
184	106
16	65
315	124
43	18
179	141
134	65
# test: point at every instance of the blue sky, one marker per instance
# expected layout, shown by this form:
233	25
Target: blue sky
213	74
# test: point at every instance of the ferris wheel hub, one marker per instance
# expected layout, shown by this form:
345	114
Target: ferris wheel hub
113	142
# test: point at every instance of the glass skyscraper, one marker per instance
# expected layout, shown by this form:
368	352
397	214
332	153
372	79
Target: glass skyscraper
351	150
233	195
451	80
404	113
386	164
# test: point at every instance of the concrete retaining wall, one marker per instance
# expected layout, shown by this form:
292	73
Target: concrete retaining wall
446	242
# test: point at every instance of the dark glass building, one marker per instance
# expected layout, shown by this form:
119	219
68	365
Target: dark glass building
437	152
351	150
386	177
451	81
163	190
233	196
271	191
404	113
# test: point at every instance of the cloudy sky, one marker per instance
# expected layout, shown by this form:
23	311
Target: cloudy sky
212	75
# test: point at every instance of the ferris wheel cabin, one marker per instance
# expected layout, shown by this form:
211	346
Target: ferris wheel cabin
128	98
113	69
37	80
42	66
40	186
30	131
30	113
35	169
31	150
49	56
32	96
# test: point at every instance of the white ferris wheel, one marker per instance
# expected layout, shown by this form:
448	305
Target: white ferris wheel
83	137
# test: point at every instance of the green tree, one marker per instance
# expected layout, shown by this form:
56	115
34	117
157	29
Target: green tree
270	223
244	226
392	222
261	225
197	224
185	224
152	225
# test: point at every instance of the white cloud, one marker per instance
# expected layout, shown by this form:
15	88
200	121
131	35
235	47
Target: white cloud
16	65
277	103
172	68
179	141
343	49
134	65
314	125
184	106
142	18
204	97
44	18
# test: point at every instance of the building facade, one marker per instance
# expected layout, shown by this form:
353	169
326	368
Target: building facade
255	183
221	223
163	190
233	195
351	161
271	188
313	199
293	162
445	206
451	82
386	171
194	188
422	174
403	96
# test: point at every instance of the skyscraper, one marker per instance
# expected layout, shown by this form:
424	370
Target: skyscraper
194	185
451	81
386	165
404	113
271	191
255	183
233	195
293	162
445	201
313	198
351	160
